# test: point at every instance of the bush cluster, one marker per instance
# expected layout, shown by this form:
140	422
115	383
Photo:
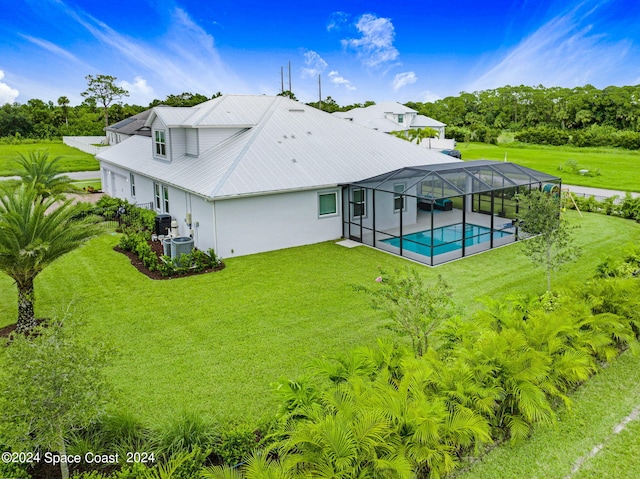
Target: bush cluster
135	238
185	443
592	136
488	378
194	262
127	215
543	135
627	207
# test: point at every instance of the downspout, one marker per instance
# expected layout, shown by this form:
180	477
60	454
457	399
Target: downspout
215	228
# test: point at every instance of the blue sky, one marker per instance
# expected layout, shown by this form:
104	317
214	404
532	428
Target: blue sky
374	50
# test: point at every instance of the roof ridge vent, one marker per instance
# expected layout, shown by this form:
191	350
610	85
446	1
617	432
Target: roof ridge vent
296	110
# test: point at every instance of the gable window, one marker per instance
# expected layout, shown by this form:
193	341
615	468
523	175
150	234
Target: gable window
327	204
161	148
400	118
359	202
132	182
398	197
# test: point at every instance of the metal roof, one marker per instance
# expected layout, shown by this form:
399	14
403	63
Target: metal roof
131	125
291	147
421	121
446	180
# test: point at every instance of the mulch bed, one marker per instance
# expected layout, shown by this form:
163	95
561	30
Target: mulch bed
156	247
7	330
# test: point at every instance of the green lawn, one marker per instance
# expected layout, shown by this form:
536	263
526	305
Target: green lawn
73	159
553	451
618	168
214	343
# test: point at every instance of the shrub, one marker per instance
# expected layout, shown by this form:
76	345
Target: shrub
196	261
458	133
630	207
12	470
543	135
184	432
235	443
146	255
139	219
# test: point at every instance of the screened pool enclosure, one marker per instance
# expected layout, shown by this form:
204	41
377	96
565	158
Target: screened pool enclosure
438	213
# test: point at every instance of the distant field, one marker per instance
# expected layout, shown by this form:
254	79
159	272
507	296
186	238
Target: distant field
618	168
72	158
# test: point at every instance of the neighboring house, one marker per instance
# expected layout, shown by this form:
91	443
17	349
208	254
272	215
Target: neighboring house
128	127
390	116
248	174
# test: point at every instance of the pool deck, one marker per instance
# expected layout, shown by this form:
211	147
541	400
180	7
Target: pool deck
442	219
447	218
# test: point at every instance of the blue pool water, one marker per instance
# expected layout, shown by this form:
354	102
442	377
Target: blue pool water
445	239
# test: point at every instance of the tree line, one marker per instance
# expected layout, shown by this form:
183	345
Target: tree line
582	116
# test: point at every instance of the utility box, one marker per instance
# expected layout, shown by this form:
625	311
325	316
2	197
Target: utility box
163	224
181	245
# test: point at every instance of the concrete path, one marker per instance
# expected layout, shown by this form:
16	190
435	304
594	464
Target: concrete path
587	191
75	175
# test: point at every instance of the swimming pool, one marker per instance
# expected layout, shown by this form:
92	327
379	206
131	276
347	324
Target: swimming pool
445	239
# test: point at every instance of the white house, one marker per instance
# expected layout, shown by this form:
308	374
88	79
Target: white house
390	116
128	127
245	174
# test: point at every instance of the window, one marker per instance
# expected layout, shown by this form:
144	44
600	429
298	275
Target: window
359	203
327	204
132	181
156	191
160	143
400	118
161	197
165	196
398	197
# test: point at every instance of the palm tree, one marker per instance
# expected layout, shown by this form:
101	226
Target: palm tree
416	135
63	102
34	232
43	174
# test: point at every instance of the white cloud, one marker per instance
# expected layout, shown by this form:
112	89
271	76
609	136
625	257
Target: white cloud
337	20
565	51
315	64
7	94
375	46
184	60
53	48
140	92
339	80
404	79
430	97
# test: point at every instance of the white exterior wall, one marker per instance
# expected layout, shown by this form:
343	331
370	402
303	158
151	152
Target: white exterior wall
191	137
202	223
265	223
385	215
115	182
210	137
178	140
237	227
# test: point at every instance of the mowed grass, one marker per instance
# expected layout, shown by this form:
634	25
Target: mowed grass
72	158
618	168
553	451
215	343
